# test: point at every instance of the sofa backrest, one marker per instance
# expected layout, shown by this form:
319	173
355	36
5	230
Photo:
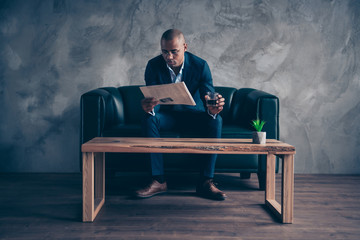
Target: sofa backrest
132	96
228	94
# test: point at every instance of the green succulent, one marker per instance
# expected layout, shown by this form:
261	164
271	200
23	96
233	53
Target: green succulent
257	124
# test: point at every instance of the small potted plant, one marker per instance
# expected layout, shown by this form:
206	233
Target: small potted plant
259	137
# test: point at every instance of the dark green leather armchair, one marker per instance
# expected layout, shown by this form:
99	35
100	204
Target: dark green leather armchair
116	112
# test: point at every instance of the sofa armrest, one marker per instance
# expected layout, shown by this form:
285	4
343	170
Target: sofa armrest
249	104
267	109
99	110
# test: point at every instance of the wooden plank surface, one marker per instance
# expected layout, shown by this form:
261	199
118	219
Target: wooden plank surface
47	206
186	145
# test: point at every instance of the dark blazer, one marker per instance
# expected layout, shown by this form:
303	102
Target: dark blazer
196	76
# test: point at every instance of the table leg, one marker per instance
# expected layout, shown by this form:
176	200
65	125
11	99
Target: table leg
283	211
287	193
270	177
99	194
93	184
88	186
270	200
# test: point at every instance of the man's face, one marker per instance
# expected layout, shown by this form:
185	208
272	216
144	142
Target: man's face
173	51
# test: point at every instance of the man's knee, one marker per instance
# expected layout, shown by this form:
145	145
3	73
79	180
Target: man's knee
215	123
213	127
149	120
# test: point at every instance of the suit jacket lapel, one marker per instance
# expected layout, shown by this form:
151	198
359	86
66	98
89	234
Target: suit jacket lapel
187	71
165	74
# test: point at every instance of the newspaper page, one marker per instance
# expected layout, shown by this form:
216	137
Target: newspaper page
169	94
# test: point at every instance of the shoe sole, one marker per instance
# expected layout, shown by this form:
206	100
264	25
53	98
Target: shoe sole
211	197
149	196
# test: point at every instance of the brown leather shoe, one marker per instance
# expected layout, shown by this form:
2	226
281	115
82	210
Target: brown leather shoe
207	189
152	189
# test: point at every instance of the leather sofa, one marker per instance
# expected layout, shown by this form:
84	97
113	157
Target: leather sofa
116	112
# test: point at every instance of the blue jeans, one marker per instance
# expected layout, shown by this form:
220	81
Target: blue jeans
200	123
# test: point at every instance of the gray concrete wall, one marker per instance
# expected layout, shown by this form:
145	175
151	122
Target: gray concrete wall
306	52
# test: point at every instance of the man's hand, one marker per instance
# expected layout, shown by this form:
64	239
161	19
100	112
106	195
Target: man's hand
148	104
220	102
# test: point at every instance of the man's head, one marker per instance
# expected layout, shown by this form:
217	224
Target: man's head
173	47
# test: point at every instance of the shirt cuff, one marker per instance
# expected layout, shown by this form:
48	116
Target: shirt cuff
152	112
212	115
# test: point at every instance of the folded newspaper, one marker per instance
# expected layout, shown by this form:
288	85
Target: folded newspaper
169	94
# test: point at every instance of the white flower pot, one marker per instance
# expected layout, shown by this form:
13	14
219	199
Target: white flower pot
259	137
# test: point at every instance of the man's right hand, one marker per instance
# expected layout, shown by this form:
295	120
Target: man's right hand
148	104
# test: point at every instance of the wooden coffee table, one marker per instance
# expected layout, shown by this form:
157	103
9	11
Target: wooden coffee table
94	165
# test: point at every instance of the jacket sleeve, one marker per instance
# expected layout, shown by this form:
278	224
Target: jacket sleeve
151	78
206	83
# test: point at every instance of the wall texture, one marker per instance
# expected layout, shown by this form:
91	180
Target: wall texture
305	51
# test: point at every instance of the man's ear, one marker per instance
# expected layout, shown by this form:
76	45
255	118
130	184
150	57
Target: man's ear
185	47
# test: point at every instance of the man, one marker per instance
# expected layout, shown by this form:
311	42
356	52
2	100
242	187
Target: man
175	64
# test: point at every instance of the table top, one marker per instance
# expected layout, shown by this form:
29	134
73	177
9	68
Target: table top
186	145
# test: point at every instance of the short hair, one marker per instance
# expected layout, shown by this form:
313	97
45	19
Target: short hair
171	34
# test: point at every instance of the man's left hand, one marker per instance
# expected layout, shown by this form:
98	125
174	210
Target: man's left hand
220	102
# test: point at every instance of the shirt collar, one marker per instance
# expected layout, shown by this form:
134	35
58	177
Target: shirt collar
176	78
172	71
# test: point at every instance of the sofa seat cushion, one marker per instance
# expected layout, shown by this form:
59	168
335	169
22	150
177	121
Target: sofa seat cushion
134	130
234	131
231	162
